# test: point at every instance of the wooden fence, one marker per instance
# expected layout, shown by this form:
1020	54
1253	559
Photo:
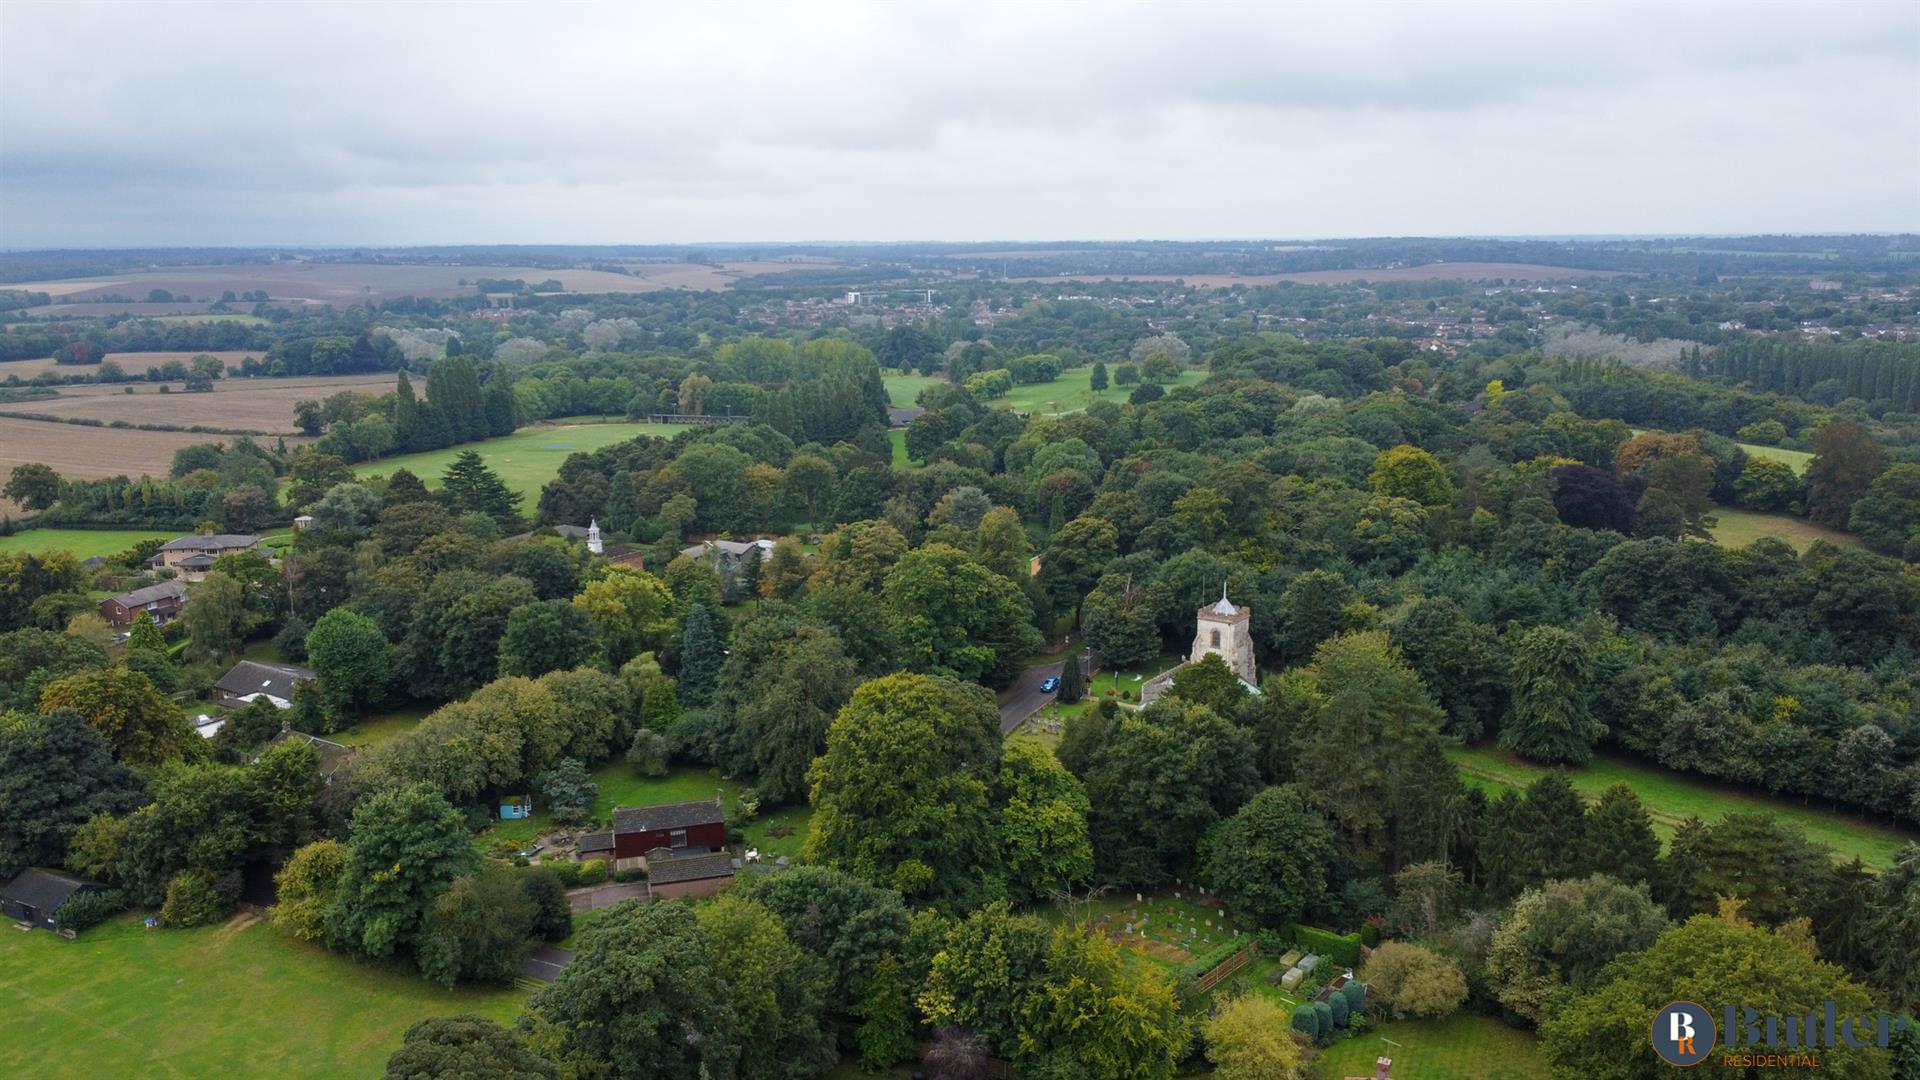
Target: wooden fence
1225	968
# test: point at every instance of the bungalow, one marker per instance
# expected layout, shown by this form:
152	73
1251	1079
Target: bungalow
174	552
162	601
670	876
681	828
36	893
250	680
727	555
899	416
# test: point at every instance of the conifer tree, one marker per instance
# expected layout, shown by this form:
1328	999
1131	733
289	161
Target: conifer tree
700	657
1072	685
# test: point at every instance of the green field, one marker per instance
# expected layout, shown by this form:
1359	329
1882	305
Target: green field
1072	392
525	460
1738	528
241	999
619	786
898	439
904	390
1460	1047
1672	797
84	543
1796	458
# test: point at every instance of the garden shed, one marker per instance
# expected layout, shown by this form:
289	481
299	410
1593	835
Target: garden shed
36	893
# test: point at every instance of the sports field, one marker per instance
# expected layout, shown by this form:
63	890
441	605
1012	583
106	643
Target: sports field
242	999
526	459
1672	797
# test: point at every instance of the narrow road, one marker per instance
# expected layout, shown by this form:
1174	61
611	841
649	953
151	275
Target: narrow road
1025	698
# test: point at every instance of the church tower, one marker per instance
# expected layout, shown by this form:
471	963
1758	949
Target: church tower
593	537
1226	631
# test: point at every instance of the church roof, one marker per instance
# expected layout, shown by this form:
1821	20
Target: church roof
1225	606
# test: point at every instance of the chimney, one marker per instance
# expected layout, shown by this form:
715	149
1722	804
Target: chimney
1381	1067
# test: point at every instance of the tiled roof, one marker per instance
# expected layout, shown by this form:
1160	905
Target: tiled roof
689	868
142	597
633	819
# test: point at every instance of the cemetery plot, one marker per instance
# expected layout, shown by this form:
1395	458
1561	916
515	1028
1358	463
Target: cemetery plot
1170	926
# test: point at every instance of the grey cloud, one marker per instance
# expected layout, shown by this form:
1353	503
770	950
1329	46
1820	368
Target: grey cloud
402	123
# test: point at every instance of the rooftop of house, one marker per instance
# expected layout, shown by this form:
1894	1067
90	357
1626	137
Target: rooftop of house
596	841
332	754
216	542
681	815
735	548
254	677
147	595
44	889
668	870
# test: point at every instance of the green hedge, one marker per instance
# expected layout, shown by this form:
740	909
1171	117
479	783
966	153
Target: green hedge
1209	960
1342	949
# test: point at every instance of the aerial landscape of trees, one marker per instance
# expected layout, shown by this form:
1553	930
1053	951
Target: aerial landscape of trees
1509	552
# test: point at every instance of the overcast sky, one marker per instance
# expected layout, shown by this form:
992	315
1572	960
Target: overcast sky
383	123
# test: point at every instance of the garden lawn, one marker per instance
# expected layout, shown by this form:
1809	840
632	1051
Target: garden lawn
1738	528
904	390
383	727
1672	797
1460	1047
84	543
1072	391
620	786
897	439
243	999
526	459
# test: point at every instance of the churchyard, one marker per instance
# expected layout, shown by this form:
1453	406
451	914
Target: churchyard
1171	926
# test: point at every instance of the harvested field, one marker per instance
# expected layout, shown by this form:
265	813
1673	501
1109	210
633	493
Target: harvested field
133	363
335	283
251	404
1463	271
91	452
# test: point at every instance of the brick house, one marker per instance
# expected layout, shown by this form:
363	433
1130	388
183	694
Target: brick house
192	556
163	601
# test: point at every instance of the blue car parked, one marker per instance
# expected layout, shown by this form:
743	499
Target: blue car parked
1049	684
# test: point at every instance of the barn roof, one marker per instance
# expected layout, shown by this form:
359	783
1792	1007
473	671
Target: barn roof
44	889
596	841
677	868
681	815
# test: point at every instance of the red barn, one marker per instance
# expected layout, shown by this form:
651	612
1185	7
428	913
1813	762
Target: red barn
682	828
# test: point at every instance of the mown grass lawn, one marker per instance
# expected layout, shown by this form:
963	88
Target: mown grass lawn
525	460
1796	458
1073	391
1459	1047
1671	798
620	786
84	543
904	390
243	999
1738	528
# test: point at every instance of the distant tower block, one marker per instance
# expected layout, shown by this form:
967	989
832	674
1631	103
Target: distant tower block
1226	631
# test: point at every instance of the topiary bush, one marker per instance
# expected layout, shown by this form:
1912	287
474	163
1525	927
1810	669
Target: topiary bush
1307	1022
1337	1005
1356	995
1323	1015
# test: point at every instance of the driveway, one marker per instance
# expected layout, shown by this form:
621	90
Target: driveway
596	897
1025	698
544	963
